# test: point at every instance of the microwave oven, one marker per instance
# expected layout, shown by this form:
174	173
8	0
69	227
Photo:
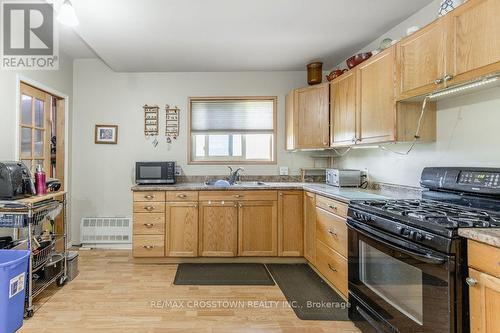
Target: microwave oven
154	173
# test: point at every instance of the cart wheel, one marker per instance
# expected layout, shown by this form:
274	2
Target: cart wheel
29	313
61	281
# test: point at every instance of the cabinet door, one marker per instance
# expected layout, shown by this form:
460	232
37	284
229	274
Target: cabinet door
218	228
290	224
182	229
484	301
310	227
258	228
343	110
313	117
376	98
421	61
473	40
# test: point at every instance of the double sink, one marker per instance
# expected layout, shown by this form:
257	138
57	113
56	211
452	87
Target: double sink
237	184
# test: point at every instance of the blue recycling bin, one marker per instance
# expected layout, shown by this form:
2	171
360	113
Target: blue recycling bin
13	275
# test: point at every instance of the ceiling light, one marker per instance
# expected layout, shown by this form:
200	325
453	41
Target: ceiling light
67	15
463	87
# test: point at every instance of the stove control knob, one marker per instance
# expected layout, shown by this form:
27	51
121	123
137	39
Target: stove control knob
418	236
405	232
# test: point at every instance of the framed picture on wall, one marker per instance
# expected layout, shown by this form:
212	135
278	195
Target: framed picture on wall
106	134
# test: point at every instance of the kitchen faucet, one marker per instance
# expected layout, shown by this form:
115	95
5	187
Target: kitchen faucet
234	175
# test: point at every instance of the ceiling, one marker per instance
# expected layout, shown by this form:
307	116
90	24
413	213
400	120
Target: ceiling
233	35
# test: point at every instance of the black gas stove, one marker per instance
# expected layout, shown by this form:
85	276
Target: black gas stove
407	264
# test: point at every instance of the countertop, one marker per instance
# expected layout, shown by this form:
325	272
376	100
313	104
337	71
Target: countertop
341	194
490	236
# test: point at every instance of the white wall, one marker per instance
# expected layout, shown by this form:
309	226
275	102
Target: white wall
103	174
467	130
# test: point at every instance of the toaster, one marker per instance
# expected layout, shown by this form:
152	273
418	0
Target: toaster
343	177
15	181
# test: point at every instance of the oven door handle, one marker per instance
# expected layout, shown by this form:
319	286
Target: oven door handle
424	257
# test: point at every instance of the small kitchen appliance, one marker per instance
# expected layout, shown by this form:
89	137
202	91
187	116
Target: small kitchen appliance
343	177
155	173
15	181
407	264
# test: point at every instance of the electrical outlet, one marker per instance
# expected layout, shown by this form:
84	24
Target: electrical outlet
283	171
178	170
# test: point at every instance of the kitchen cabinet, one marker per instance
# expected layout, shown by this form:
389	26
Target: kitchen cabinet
257	228
343	110
307	118
421	61
484	287
310	227
218	229
181	229
290	224
473	48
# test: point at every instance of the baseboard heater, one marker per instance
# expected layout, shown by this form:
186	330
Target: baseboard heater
106	232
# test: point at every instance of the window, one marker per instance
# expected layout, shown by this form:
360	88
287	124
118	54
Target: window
239	130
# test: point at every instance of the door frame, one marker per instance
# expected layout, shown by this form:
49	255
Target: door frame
21	78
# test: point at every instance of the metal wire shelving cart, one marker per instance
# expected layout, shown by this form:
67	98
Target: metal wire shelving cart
24	216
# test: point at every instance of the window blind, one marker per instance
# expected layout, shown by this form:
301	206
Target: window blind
232	116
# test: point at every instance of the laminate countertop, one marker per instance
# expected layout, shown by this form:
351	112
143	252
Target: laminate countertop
490	236
341	194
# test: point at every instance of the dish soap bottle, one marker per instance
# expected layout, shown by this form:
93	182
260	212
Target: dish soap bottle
40	181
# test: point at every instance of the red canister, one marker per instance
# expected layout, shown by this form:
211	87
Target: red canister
40	181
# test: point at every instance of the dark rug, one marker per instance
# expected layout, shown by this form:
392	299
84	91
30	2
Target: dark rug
309	296
223	274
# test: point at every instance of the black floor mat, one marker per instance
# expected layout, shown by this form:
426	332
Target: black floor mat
309	296
223	274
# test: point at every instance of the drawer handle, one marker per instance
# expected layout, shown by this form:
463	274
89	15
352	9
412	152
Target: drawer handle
438	81
183	196
195	205
148	247
332	268
238	196
149	197
149	208
448	77
148	225
240	205
471	282
332	207
332	232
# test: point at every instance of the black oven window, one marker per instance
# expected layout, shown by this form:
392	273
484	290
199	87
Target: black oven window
150	172
396	282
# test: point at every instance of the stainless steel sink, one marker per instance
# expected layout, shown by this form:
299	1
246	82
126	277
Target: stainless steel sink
212	183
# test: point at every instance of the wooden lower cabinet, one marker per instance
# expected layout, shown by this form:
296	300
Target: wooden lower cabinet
333	266
484	301
290	224
181	236
331	229
148	246
218	235
310	227
257	228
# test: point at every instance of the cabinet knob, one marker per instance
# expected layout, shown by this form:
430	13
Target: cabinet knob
332	268
238	195
149	197
149	208
181	196
438	81
448	77
195	205
332	207
281	193
148	225
240	205
148	247
471	282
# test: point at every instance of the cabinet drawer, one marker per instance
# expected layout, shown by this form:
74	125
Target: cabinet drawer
260	195
331	230
182	196
149	196
332	206
149	207
333	266
484	258
149	246
149	224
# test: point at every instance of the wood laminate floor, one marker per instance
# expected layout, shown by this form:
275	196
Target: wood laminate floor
112	294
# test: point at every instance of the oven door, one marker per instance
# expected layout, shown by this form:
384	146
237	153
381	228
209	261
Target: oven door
396	285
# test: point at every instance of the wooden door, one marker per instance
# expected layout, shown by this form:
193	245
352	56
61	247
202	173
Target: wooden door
473	40
181	236
484	302
218	229
313	117
290	224
310	227
257	228
421	61
376	98
343	110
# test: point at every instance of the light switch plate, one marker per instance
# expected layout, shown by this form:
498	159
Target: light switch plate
283	171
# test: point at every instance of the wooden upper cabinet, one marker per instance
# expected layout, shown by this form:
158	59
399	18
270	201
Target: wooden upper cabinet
376	98
312	117
218	228
343	110
181	236
257	228
473	40
421	61
290	224
310	227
